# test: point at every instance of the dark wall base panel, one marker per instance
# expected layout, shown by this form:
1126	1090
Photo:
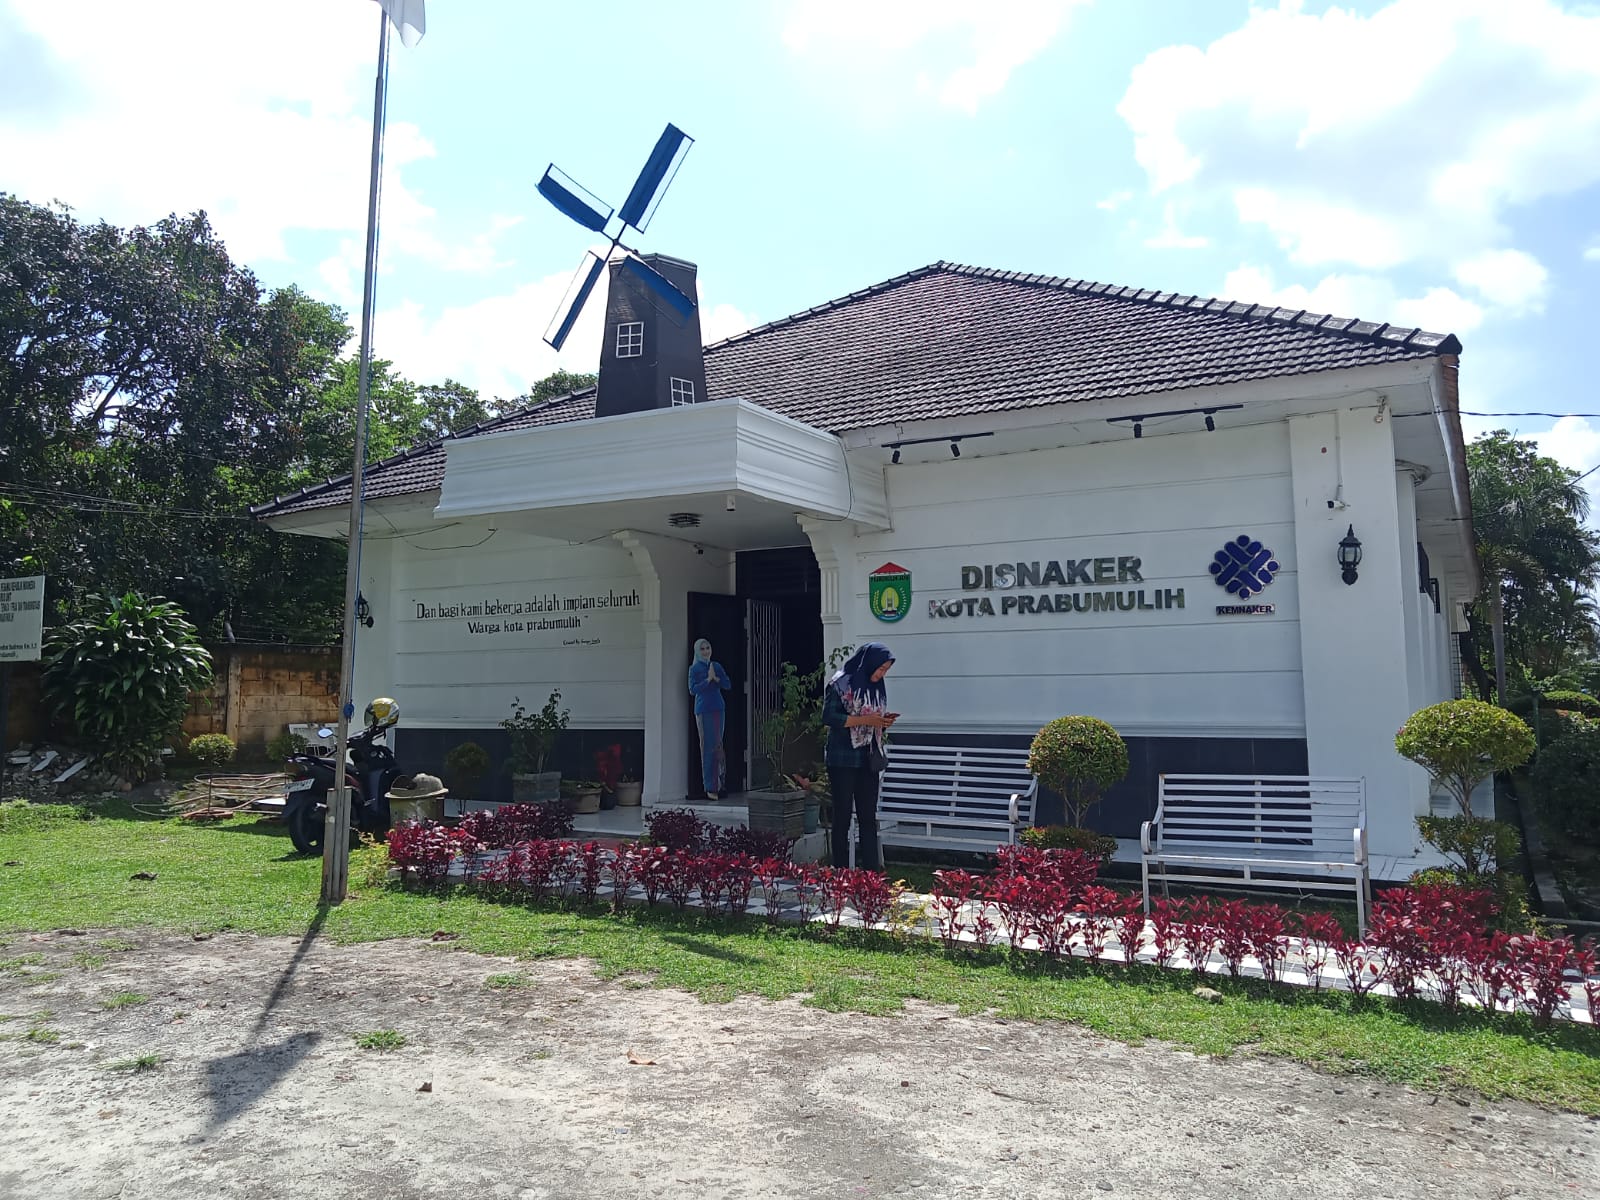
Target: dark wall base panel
425	750
1133	801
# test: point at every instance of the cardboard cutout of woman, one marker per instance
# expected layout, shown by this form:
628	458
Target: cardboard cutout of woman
707	681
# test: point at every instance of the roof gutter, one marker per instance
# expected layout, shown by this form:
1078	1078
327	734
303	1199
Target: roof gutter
1447	406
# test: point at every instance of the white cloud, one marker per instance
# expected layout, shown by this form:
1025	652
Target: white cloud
261	115
1591	253
1438	310
1408	135
497	345
955	51
1575	444
1114	201
1511	278
1173	238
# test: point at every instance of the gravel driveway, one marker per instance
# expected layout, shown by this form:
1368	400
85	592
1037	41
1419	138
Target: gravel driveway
556	1084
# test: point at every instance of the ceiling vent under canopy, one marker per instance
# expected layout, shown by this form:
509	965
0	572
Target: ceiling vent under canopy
684	520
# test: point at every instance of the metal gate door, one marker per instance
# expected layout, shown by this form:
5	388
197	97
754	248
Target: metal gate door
763	624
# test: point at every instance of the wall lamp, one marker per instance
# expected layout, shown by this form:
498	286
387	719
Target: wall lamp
955	444
1349	554
363	611
1137	420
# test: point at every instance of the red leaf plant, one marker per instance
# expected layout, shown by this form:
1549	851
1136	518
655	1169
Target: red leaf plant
769	875
1542	965
833	895
1098	913
1264	931
1317	931
1491	977
738	877
1362	971
952	891
1587	963
1129	919
608	766
427	849
676	829
654	870
869	893
1013	898
807	882
1164	931
1453	965
679	880
513	823
591	863
1231	921
622	868
1197	932
705	876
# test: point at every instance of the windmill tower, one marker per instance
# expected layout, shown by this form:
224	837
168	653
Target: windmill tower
650	355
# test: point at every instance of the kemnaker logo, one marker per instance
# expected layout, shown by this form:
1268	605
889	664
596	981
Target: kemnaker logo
889	592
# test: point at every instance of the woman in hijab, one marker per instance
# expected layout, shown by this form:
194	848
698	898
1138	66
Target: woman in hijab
855	710
707	681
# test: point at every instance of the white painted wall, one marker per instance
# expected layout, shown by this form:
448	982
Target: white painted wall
1169	501
445	675
1358	664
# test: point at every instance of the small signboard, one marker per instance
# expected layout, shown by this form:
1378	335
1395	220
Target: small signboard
21	618
889	592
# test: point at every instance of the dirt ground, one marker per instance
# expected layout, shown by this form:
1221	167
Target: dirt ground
530	1094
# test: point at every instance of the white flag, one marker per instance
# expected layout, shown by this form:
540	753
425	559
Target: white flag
407	17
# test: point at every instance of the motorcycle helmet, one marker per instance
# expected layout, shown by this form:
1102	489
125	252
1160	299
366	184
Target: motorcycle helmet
383	713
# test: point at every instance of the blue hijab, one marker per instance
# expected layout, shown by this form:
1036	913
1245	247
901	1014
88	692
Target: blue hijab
855	677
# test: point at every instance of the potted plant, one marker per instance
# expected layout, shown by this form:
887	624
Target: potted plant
791	740
608	767
466	764
629	789
533	737
582	795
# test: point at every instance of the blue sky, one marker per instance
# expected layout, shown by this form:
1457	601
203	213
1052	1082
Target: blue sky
1429	162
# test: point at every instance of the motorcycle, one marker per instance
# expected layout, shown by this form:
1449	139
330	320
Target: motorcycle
370	772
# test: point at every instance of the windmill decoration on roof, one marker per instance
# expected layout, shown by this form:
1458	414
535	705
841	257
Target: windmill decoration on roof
636	211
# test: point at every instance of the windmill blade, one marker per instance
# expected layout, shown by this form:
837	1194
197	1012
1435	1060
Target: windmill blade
571	198
572	303
664	289
656	177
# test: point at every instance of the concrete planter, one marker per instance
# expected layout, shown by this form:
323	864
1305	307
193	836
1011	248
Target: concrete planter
628	794
778	812
536	789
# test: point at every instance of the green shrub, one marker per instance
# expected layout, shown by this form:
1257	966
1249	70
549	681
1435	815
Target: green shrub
533	735
122	673
1479	846
1464	742
285	745
1566	782
1078	758
1069	837
1565	701
466	764
212	749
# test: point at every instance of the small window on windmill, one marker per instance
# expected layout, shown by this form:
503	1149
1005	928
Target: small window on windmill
630	339
682	391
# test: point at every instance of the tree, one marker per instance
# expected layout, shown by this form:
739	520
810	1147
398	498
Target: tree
1540	562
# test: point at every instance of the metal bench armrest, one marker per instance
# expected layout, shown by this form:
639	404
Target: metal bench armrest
1360	838
1146	843
1016	802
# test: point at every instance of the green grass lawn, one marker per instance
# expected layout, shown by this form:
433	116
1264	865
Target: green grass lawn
244	875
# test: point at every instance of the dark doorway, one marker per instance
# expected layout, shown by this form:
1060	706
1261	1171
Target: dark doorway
720	620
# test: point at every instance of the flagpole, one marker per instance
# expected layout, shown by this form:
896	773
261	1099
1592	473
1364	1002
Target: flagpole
336	833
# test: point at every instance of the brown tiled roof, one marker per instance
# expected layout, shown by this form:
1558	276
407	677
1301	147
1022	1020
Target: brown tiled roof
949	340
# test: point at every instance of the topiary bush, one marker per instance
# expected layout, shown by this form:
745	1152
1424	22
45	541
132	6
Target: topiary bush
121	672
1078	757
1581	703
466	764
285	745
1464	742
1066	837
1566	782
212	749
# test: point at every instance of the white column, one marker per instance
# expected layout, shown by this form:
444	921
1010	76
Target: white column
825	537
654	692
1406	532
1354	657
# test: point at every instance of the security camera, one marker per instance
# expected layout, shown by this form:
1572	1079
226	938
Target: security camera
729	503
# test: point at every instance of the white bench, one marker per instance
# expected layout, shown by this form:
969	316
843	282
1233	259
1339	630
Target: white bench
1263	831
954	797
